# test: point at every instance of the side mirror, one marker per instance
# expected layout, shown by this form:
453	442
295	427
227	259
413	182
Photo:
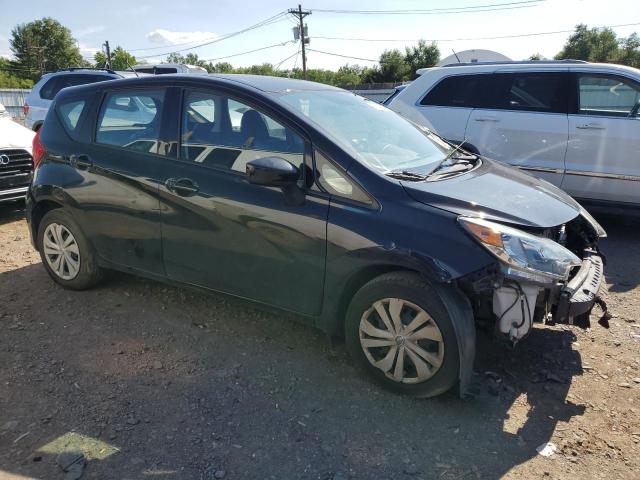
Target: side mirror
272	172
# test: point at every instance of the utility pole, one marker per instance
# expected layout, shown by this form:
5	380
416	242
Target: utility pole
303	34
108	54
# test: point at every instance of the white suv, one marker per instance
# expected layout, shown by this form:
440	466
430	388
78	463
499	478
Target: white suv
573	123
37	102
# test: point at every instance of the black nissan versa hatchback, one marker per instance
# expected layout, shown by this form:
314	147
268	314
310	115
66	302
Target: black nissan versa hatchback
310	199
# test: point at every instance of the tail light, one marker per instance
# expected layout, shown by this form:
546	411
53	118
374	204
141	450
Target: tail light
38	149
25	109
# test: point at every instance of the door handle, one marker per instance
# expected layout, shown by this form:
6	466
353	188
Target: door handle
81	162
487	119
591	126
182	186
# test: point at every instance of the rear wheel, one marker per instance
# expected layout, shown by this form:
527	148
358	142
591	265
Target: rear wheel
399	331
66	253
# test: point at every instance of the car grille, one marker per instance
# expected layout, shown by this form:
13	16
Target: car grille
19	162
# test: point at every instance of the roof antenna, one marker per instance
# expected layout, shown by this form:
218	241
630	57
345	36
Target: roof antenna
457	58
131	68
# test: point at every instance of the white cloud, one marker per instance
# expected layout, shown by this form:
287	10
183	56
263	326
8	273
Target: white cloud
167	37
89	30
87	52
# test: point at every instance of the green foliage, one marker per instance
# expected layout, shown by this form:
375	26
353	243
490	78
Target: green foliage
120	59
9	76
601	45
423	55
629	51
43	45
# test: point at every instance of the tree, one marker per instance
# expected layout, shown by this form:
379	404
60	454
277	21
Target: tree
9	76
536	57
423	55
594	45
629	52
44	45
120	59
393	67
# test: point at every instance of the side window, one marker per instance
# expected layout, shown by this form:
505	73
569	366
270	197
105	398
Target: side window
221	132
54	85
131	120
456	91
70	114
533	92
607	95
335	182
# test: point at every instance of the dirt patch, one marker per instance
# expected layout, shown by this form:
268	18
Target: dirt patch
142	380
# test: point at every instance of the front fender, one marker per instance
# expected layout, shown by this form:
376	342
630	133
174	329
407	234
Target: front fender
461	314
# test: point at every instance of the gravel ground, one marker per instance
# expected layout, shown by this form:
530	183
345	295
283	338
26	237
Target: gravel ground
147	380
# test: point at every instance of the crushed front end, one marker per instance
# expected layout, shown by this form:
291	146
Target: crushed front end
550	275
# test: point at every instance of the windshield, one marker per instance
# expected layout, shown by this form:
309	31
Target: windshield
373	134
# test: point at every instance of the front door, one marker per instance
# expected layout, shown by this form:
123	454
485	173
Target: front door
604	140
525	122
223	233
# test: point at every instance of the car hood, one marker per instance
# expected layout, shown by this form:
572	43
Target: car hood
500	193
14	135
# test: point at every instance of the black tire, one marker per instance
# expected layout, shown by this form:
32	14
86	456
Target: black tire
412	289
89	273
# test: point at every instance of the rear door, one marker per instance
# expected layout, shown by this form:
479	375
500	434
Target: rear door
117	178
604	139
225	234
524	122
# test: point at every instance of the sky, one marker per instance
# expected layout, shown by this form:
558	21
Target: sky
152	28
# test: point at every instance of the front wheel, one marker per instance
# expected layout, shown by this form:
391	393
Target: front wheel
398	330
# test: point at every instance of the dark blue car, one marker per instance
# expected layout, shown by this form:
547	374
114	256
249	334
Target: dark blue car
310	199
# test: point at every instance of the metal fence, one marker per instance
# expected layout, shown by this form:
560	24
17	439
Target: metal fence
13	100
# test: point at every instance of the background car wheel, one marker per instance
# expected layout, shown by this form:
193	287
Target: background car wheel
398	330
66	254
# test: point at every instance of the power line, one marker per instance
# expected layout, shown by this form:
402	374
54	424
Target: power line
248	51
268	21
463	39
439	11
289	57
340	55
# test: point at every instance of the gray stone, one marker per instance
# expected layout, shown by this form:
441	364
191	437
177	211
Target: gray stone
220	474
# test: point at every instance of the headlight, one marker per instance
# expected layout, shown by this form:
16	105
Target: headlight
593	222
525	255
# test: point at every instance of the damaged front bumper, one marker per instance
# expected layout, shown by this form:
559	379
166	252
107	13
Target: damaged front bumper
580	294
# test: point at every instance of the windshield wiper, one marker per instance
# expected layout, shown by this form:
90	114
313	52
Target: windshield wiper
405	175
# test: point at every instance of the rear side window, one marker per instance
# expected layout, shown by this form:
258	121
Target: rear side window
131	120
607	95
457	91
70	115
51	88
533	92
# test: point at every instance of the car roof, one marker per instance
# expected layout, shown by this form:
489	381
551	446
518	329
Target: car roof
261	83
528	65
273	84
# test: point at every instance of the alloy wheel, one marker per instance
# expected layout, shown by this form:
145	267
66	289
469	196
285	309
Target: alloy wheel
402	340
61	251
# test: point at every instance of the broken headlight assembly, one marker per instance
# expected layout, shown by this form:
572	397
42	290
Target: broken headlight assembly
523	256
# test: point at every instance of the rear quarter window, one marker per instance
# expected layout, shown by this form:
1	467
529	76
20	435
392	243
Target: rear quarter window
69	113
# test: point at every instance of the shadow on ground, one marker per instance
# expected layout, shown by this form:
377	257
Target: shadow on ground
152	381
184	385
